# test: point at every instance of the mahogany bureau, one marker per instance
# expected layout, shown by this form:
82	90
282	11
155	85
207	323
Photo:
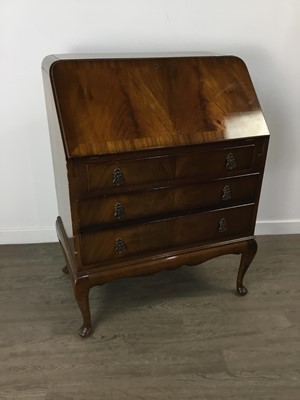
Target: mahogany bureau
158	163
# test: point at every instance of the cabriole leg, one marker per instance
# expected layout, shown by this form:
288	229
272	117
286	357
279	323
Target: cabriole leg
81	292
247	257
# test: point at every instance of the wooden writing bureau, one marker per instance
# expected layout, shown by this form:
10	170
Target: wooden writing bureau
158	163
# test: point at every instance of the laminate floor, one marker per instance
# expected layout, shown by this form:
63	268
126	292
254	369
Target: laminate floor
182	334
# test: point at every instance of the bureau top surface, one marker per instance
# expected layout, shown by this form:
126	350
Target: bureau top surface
113	105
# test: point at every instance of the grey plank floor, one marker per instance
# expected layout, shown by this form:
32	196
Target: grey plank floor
175	335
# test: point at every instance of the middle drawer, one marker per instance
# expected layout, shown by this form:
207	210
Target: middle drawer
108	209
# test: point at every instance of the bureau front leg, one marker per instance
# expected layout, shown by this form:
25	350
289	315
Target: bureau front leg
247	256
81	291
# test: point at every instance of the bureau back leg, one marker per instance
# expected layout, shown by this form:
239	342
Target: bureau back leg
81	291
65	270
247	256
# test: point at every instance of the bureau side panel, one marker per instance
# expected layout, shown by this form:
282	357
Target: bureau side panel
61	167
261	162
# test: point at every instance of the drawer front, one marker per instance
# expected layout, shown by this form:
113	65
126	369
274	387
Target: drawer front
117	245
159	202
223	162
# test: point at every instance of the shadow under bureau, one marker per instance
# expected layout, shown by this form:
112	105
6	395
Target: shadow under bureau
158	163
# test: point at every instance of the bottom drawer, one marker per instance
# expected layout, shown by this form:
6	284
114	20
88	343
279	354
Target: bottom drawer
143	240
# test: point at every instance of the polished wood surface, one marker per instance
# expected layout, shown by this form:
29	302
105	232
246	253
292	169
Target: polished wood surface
159	162
93	176
62	169
157	169
154	237
102	103
153	202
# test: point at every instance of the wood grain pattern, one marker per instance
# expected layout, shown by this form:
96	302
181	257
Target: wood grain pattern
153	134
102	104
61	167
159	169
152	202
163	236
173	335
162	167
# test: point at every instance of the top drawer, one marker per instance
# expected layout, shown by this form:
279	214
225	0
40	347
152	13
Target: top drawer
152	170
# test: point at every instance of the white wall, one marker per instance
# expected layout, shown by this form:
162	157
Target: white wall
265	33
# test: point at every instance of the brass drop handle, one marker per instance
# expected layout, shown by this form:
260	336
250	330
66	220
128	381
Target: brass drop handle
226	193
118	178
119	211
230	161
223	227
120	246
